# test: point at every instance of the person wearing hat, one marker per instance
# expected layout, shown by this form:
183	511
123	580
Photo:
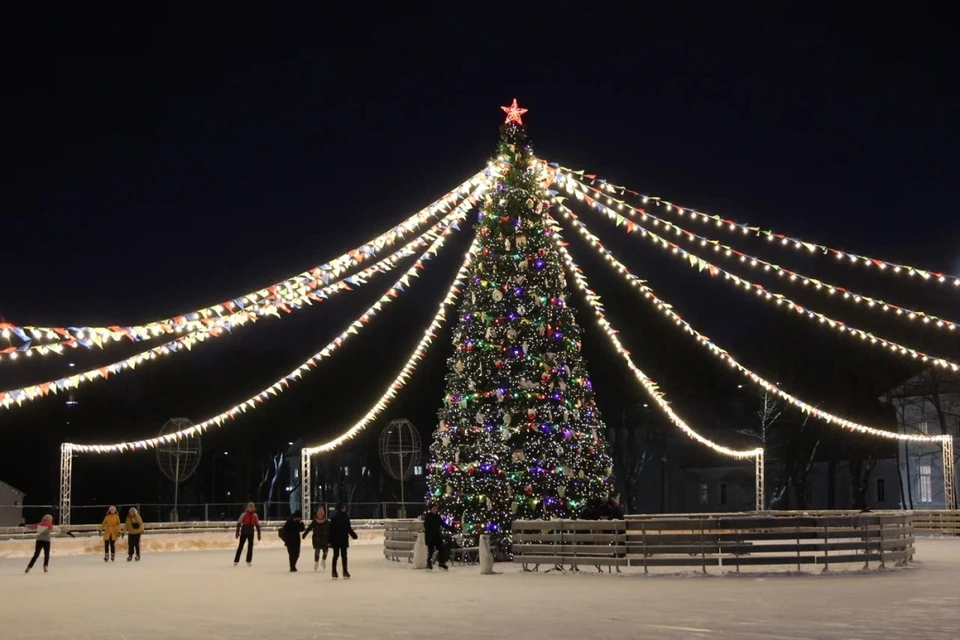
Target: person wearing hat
134	529
44	532
110	527
290	534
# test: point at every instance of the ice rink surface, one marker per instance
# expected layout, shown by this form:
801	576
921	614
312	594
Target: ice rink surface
201	595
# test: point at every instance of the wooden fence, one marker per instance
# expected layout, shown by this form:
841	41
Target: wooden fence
731	542
399	539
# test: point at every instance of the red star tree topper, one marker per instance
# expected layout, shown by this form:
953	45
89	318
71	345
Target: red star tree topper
513	113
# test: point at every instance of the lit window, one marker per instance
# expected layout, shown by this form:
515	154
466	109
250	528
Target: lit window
346	471
881	490
923	428
418	470
723	493
926	483
704	493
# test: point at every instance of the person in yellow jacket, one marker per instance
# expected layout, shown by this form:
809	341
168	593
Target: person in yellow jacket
111	531
133	527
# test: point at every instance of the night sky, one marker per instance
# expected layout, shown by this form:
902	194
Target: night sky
158	161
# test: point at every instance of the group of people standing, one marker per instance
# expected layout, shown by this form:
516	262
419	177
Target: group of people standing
326	533
111	529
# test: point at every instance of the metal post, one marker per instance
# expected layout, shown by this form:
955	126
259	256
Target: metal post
403	507
760	473
306	486
949	486
176	486
66	481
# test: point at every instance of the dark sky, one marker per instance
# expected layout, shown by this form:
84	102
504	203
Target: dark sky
157	161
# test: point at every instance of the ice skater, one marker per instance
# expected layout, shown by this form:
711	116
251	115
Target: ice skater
134	529
320	527
246	525
44	533
111	531
340	533
433	527
290	534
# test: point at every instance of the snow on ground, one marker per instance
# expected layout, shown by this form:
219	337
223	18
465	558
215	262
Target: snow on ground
200	594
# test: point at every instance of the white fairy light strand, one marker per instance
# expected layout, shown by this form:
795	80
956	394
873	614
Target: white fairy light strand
39	390
293	287
694	261
649	385
411	365
723	355
283	383
773	236
571	186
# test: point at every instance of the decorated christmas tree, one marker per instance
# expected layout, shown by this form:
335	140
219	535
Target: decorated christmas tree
519	433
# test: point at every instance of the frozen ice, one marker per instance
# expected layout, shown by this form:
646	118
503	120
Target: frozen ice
200	594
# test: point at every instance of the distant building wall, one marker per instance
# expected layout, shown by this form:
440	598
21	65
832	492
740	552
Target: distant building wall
11	506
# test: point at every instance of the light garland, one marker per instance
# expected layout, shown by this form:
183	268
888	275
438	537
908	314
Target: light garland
649	385
696	262
35	391
574	187
283	383
284	292
772	236
723	355
400	381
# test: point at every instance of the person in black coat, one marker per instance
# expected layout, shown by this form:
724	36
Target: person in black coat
290	533
320	527
340	533
433	526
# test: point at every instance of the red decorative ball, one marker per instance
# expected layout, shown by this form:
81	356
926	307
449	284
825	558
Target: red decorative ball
528	490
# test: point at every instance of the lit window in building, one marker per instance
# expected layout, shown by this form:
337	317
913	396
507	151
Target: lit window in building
926	483
704	493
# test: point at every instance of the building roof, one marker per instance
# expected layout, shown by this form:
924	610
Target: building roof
14	489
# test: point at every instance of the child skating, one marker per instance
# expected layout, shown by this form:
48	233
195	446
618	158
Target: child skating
44	533
320	527
246	525
111	531
134	529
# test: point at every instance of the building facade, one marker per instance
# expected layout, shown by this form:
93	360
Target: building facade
11	506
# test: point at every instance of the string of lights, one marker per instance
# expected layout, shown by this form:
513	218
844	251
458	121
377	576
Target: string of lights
781	301
283	383
266	307
772	236
187	342
400	381
579	190
649	385
284	293
723	355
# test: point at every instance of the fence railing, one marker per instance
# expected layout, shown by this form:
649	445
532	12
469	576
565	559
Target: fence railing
400	538
875	540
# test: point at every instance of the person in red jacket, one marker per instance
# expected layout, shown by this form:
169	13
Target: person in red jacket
246	525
